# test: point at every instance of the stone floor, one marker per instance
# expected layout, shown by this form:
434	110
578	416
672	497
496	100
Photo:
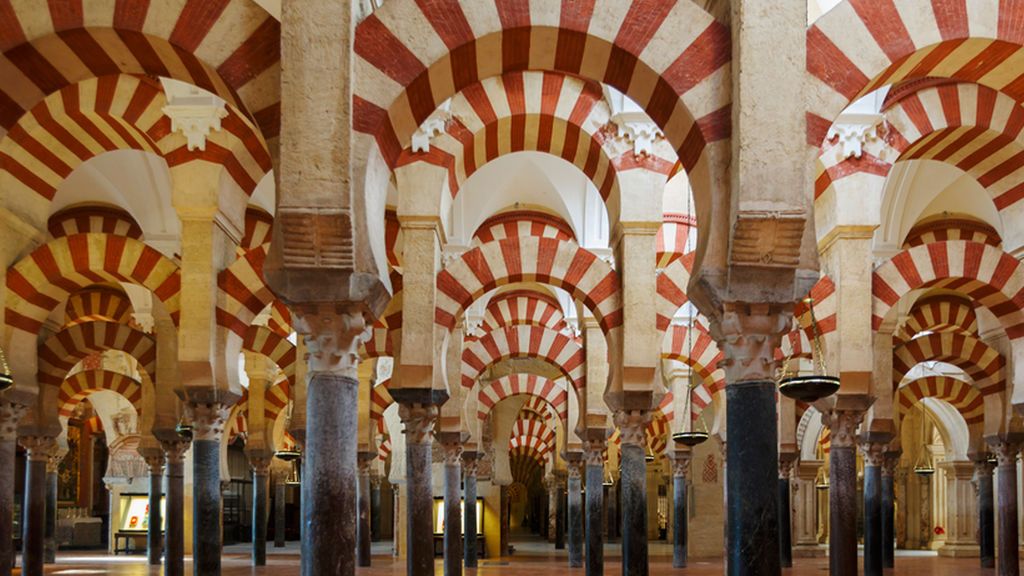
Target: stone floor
533	558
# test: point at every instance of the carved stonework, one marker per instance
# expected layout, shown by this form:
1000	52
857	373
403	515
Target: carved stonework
1006	452
890	462
786	468
843	425
435	125
593	452
174	451
316	238
574	468
631	425
419	420
680	464
850	137
260	462
207	419
10	415
873	452
155	463
452	453
470	464
195	116
332	337
768	239
39	447
750	334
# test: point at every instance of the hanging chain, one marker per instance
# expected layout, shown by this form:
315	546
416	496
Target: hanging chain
819	352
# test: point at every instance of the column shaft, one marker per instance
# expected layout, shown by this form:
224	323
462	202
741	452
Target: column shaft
155	535
8	451
785	528
575	510
50	546
560	518
34	509
889	512
634	510
1009	563
280	519
206	509
259	515
872	520
469	494
752	456
986	515
363	504
842	499
375	508
452	514
679	522
174	556
595	514
419	506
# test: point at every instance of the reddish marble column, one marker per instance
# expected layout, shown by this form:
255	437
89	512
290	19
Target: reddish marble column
208	418
470	463
631	425
419	420
38	453
1006	474
174	532
843	493
986	511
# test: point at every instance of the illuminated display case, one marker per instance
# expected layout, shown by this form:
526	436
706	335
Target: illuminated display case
135	513
439	525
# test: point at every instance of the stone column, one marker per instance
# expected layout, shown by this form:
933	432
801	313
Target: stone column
50	547
207	533
889	464
38	453
574	487
155	534
680	528
842	501
873	458
613	511
10	414
633	479
419	420
469	469
452	504
260	480
1006	475
551	484
174	532
280	512
986	510
594	458
375	526
785	513
363	506
560	512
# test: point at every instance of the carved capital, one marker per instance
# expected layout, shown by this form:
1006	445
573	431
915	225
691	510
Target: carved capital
207	419
174	451
470	464
889	463
843	425
155	462
452	453
873	452
574	468
333	334
364	460
786	468
983	466
593	451
376	480
750	333
680	464
39	448
419	421
632	424
10	415
260	462
1006	452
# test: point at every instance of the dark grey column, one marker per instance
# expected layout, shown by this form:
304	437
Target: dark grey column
986	511
632	425
469	469
155	534
207	534
375	526
50	546
174	531
613	511
785	511
551	484
842	502
452	499
873	456
889	464
680	528
280	512
363	505
10	414
574	486
594	459
34	507
329	474
260	482
753	478
419	501
560	516
1006	474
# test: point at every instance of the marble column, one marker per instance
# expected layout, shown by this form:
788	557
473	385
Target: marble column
363	548
842	500
10	414
208	420
1006	477
873	458
633	479
470	462
785	512
889	464
986	510
39	449
574	487
680	528
593	456
560	513
551	484
280	512
375	526
260	484
174	530
155	532
50	541
419	420
452	504
613	511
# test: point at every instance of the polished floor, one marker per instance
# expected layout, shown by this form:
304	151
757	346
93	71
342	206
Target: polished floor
535	559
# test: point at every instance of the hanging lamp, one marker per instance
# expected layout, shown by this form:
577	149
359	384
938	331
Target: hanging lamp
184	429
608	480
698	432
821	481
813	387
649	457
924	467
293	453
6	379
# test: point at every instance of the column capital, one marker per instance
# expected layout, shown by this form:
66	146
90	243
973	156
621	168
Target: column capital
1006	452
843	426
632	425
750	333
332	333
175	450
260	460
207	419
873	452
680	463
10	415
155	462
890	461
470	463
39	447
786	468
419	421
452	453
593	451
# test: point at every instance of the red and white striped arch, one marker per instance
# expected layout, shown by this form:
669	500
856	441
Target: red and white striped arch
529	259
551	392
42	280
238	422
556	348
671	58
862	45
229	47
80	384
378	345
941	313
672	237
695	348
384	449
961	395
276	399
82	219
825	302
258	228
98	303
380	399
519	307
985	274
943	229
244	294
516	223
984	364
280	350
672	284
531	436
59	353
539	406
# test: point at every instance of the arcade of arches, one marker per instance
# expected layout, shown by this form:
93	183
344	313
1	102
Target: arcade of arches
412	285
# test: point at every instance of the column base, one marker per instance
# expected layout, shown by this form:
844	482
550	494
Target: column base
960	551
818	551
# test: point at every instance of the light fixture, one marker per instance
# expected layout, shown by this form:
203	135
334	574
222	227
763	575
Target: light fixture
6	379
698	432
649	457
184	430
821	481
608	480
924	467
814	387
288	454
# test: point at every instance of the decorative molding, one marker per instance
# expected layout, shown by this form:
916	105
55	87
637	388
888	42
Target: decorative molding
193	112
207	419
435	125
750	335
768	238
632	424
851	133
641	133
419	421
843	426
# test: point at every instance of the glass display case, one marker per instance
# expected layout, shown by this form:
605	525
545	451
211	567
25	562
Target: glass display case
439	516
135	513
